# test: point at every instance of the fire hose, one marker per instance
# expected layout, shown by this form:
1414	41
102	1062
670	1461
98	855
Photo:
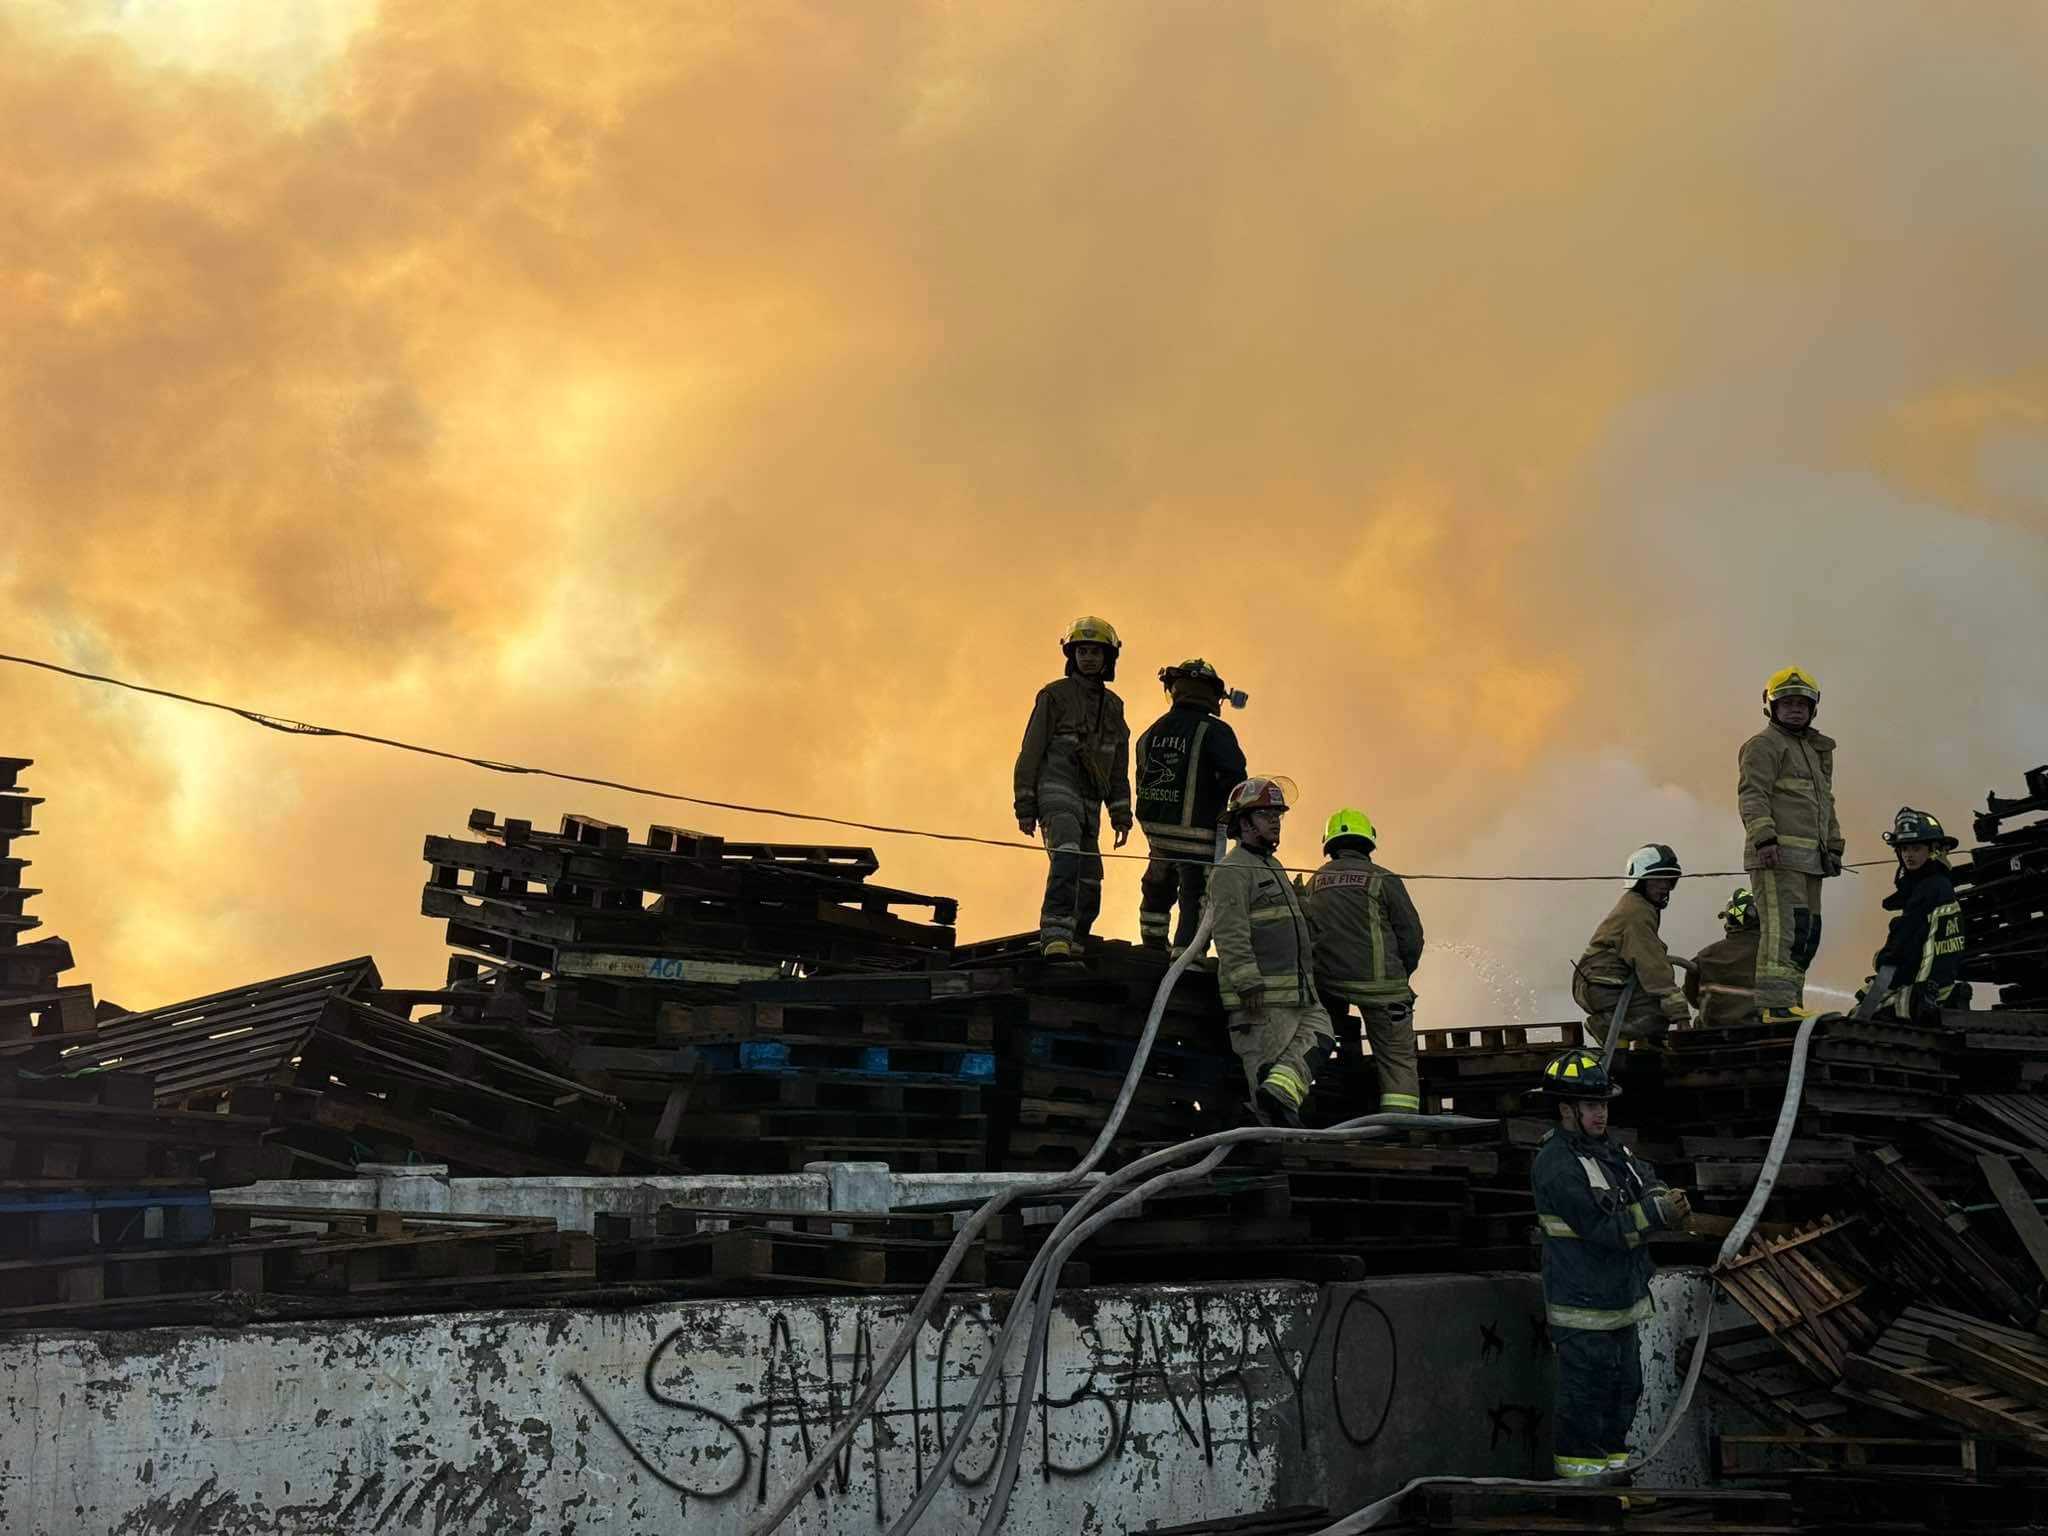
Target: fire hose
1036	1293
1731	1245
1095	1208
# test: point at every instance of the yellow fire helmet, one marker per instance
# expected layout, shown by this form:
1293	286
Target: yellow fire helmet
1350	823
1089	630
1792	683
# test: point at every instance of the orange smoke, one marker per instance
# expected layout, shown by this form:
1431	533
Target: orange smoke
741	397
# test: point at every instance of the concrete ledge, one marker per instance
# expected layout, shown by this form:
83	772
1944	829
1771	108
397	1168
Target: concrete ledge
1159	1405
573	1201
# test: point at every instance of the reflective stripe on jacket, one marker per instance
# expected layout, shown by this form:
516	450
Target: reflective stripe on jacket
1627	943
1263	944
1924	946
1593	1203
1188	760
1785	787
1076	754
1368	935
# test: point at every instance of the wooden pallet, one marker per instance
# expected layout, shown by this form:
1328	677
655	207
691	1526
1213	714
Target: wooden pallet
1494	1039
1964	1370
1807	1290
297	1251
1934	1251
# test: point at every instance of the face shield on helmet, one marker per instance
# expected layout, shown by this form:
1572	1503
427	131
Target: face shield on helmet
1265	792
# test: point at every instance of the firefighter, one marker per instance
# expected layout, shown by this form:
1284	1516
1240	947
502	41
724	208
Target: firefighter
1187	762
1596	1202
1722	981
1368	944
1627	946
1265	958
1924	946
1075	758
1791	839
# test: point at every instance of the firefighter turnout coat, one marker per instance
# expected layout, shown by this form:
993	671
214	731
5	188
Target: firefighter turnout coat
1188	760
1627	943
1368	933
1722	982
1264	948
1925	944
1593	1201
1786	791
1076	754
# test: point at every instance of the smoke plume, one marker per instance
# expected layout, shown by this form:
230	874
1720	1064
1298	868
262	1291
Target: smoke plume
743	397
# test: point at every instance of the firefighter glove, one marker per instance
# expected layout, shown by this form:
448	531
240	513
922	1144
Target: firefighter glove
1673	1209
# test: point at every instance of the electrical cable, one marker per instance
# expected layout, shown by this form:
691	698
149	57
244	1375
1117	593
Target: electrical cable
1083	1219
291	727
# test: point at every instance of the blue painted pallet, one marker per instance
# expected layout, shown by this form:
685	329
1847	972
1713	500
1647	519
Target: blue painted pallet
903	1063
39	1220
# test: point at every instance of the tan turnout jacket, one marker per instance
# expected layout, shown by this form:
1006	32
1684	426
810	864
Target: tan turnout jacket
1722	983
1627	943
1368	934
1263	945
1786	790
1076	754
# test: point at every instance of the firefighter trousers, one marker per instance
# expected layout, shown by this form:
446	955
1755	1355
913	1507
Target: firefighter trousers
1599	1380
1169	877
1281	1042
1073	885
1390	1031
1788	904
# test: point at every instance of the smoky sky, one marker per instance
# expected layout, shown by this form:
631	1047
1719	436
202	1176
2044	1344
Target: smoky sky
743	398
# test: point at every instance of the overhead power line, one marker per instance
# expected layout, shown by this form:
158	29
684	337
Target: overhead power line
293	727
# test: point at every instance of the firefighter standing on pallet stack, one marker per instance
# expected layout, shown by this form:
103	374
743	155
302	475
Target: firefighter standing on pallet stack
1626	955
1596	1202
1722	981
1924	947
1265	958
1187	762
1791	839
1076	757
1368	944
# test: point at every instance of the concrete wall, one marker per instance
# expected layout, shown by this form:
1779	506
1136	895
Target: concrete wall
1159	1406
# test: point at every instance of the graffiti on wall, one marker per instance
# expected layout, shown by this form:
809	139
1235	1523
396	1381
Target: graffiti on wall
1213	1374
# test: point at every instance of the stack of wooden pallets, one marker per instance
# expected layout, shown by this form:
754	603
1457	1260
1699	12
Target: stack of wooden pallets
37	1012
2003	889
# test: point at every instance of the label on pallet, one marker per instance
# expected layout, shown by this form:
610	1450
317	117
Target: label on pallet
665	968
